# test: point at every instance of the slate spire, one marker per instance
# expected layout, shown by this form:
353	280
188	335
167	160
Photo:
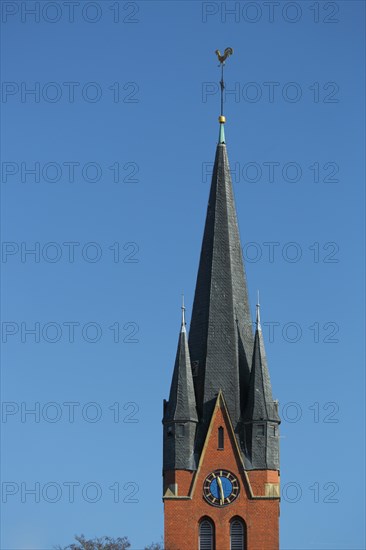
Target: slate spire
221	356
261	417
220	336
180	414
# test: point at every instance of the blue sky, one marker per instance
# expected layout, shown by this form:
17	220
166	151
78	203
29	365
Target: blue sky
120	132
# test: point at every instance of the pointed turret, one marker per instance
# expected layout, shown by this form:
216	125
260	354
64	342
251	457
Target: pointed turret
260	417
220	336
180	414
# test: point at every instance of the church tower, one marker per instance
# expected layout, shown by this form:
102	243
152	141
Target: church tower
220	425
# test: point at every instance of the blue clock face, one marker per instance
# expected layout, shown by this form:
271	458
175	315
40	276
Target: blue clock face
220	488
226	484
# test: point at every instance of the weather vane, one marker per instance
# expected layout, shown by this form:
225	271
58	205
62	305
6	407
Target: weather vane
222	59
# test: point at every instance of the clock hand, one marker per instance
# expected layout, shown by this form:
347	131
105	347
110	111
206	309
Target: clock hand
222	496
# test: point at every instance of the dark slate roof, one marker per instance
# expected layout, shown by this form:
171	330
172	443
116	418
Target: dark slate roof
260	405
221	337
182	403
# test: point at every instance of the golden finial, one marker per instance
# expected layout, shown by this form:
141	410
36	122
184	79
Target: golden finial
222	119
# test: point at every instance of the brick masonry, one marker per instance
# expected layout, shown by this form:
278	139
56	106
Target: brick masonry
261	515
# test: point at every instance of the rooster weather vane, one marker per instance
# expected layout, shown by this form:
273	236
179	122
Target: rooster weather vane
222	59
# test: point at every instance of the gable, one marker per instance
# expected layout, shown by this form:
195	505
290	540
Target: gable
212	457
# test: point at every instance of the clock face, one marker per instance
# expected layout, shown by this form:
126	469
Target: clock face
220	488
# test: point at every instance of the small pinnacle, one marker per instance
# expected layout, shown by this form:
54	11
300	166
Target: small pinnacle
258	318
183	329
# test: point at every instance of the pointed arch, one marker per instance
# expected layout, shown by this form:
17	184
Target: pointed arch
238	534
206	534
220	438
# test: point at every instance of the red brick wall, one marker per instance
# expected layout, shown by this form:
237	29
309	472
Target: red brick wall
260	515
